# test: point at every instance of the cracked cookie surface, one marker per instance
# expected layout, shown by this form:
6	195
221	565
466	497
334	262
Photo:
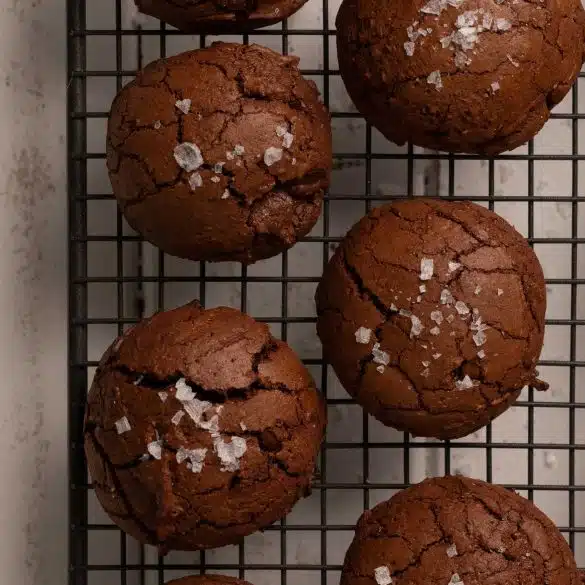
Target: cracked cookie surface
432	315
222	153
201	428
219	16
473	76
458	530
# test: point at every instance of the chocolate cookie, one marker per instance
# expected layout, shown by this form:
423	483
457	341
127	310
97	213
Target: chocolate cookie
201	428
474	76
221	153
432	315
456	531
208	580
219	16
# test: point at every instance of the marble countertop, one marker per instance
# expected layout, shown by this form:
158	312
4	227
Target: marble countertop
33	292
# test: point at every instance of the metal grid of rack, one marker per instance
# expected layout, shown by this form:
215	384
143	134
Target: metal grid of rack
538	447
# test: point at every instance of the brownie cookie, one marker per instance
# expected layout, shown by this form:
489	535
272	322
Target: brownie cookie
201	428
219	16
456	530
220	154
474	76
208	580
432	315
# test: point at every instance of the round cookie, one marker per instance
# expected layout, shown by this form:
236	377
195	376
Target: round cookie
200	429
473	76
432	315
208	580
221	153
219	16
456	530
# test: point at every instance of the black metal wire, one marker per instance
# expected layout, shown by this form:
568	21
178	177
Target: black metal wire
80	321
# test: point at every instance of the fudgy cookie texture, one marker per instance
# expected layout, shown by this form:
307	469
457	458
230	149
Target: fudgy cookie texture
201	428
432	315
219	16
221	153
208	580
456	531
474	76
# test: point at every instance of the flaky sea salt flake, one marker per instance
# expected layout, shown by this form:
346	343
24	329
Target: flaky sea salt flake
157	125
382	576
243	427
446	297
122	425
477	290
184	105
436	356
281	130
427	267
215	179
239	150
464	384
363	335
155	449
434	7
495	86
195	457
435	331
422	288
188	156
272	155
437	317
479	338
417	326
195	409
461	308
452	551
481	354
409	48
511	59
225	194
380	356
230	453
435	79
184	392
287	140
502	24
500	292
177	417
163	396
380	369
453	266
455	580
195	181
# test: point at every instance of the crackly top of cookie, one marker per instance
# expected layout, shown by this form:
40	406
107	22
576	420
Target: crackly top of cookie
477	76
432	307
221	153
455	531
192	415
219	16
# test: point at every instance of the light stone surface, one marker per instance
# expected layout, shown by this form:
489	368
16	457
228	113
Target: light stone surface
33	293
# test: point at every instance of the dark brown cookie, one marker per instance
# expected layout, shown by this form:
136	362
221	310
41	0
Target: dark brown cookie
474	76
456	531
221	153
201	428
208	580
219	16
432	315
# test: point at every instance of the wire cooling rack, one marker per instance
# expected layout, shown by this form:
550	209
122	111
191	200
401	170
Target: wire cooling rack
537	447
